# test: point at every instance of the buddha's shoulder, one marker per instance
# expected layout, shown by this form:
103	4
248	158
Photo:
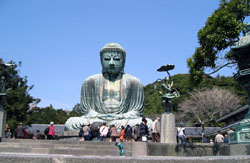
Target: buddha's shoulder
131	77
93	77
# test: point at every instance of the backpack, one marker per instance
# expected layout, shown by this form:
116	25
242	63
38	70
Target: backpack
46	131
81	132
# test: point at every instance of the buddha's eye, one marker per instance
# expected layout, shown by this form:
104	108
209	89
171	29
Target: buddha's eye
117	58
107	58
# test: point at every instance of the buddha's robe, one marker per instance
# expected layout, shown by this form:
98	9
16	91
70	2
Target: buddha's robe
117	102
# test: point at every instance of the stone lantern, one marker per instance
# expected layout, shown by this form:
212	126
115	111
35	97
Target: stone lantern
241	53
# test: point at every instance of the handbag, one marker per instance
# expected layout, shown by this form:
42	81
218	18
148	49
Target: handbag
144	138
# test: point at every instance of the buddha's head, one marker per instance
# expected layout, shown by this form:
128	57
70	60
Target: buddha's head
112	58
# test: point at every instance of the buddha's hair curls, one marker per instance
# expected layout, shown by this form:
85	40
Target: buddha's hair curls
113	47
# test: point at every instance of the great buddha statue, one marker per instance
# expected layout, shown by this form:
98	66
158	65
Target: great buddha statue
112	96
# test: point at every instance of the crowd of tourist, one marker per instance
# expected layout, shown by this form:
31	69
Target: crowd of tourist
219	137
123	134
21	132
140	132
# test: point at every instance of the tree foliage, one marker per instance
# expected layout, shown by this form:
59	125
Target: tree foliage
152	104
76	111
17	99
45	115
222	29
205	105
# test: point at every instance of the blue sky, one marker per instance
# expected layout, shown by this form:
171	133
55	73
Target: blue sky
58	41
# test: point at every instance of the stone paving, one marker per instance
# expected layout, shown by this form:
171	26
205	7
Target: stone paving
57	158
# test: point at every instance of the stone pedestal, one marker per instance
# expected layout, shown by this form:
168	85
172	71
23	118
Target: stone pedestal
2	123
242	132
168	131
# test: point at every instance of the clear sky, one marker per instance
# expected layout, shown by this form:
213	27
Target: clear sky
58	41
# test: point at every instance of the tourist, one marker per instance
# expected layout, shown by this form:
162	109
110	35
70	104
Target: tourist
181	135
136	132
20	131
98	134
128	133
109	134
122	134
103	131
205	139
25	133
51	133
156	130
143	131
219	138
81	134
225	138
86	131
231	130
36	135
90	133
8	134
113	133
121	148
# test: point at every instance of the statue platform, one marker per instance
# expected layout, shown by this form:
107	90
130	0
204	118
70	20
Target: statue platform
55	151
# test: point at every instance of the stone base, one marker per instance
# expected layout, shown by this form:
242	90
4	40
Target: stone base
168	131
242	133
71	133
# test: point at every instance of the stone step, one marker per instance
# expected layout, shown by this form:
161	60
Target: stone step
73	141
68	146
63	147
94	146
75	152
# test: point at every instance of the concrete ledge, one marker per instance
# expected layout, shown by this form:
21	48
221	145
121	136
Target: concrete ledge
37	158
68	134
199	149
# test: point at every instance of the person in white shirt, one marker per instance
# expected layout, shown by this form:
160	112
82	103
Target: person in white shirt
103	131
181	134
219	138
156	130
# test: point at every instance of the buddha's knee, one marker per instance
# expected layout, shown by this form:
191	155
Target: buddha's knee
75	123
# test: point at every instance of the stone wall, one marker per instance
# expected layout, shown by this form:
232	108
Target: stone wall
157	149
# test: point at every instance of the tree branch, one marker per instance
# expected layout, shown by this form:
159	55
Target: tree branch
229	63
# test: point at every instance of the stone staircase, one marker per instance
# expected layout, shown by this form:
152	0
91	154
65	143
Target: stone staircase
68	147
74	151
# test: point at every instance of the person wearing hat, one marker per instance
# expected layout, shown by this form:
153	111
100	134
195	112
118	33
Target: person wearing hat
181	135
86	131
143	131
51	134
20	131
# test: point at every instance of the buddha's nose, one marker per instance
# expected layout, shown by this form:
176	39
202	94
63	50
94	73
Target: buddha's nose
111	63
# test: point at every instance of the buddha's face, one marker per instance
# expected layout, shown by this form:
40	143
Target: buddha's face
112	62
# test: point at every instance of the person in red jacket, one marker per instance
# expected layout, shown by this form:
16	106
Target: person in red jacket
51	134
